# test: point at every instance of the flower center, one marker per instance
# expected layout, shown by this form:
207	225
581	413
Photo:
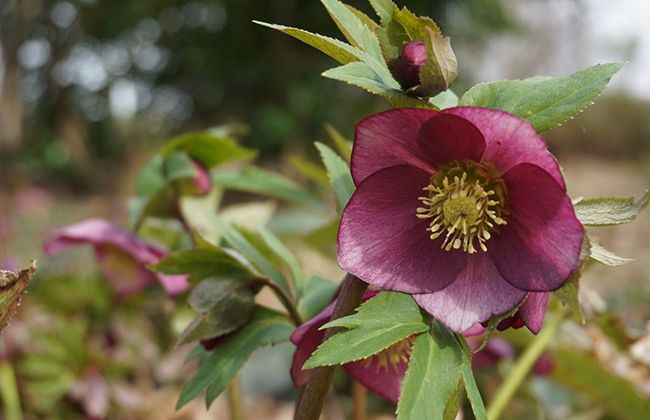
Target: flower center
466	203
398	353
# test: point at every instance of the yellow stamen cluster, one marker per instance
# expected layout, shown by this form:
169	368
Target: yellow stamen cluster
391	357
466	203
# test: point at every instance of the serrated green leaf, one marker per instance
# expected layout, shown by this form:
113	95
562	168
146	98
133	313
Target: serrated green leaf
338	50
204	262
243	246
317	294
339	174
361	75
610	211
607	257
208	148
378	323
583	373
434	374
364	18
287	256
545	102
223	306
568	293
217	370
264	182
383	8
354	30
12	288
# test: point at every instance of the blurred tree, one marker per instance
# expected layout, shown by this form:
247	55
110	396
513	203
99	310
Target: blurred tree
95	77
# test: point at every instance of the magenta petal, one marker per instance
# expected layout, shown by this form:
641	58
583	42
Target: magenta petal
478	293
306	338
174	284
495	350
125	273
446	138
539	247
533	309
510	140
388	139
382	242
385	381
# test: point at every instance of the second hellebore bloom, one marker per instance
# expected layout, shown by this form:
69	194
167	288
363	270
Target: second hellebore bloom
466	209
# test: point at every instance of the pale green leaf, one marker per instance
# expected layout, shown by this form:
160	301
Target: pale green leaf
316	295
286	255
606	256
208	148
444	100
343	145
355	31
546	102
610	211
378	323
339	174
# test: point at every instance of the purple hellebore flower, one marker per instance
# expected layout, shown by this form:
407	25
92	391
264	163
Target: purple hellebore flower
465	209
382	373
407	66
123	256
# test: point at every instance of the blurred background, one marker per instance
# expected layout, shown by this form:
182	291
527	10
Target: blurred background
90	88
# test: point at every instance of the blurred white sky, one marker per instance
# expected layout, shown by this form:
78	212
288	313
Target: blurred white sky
564	36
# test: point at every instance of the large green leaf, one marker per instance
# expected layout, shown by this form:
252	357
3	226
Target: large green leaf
264	182
378	323
610	211
339	174
208	148
202	262
439	365
12	288
581	372
338	50
546	102
223	306
217	370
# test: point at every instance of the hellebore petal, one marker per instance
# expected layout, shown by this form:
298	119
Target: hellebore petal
385	381
382	242
478	293
533	309
495	350
407	66
388	139
446	138
510	140
539	247
122	255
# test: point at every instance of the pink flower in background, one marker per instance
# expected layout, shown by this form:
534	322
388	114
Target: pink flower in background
202	180
122	256
382	373
466	209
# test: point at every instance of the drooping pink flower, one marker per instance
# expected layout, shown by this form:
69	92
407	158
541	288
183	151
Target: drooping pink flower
466	209
382	373
122	256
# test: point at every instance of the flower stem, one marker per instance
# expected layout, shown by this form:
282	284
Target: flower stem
9	392
286	301
359	397
234	400
311	403
523	366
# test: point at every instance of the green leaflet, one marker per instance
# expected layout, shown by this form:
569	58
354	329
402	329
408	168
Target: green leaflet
610	211
221	365
546	102
378	323
338	50
439	365
317	294
568	293
361	75
208	148
339	174
286	255
12	287
202	262
607	257
264	182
